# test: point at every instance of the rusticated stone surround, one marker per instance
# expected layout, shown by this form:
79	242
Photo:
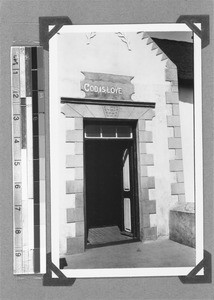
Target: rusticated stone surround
74	114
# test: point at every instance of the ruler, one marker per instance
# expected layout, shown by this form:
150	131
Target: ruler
28	148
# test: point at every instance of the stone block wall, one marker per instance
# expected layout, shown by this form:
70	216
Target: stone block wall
174	132
176	171
182	224
74	162
147	201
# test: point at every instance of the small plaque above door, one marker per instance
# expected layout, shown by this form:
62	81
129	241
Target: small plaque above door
111	111
107	86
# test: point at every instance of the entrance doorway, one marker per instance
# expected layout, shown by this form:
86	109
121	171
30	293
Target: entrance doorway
110	172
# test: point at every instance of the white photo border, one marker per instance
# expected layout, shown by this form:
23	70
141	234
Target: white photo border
54	152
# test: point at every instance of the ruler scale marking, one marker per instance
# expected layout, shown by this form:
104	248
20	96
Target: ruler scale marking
28	62
27	95
30	202
17	217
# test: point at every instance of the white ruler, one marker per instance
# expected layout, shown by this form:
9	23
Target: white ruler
27	93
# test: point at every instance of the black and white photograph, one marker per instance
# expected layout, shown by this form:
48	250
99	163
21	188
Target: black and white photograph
106	149
123	109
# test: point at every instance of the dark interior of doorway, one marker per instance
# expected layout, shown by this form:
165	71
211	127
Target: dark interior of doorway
104	208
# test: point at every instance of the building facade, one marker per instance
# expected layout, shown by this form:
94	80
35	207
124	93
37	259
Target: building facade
121	168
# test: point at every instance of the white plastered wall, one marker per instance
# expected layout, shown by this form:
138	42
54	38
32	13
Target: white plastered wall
186	117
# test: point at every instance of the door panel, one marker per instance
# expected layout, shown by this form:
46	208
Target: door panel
126	171
127	215
127	193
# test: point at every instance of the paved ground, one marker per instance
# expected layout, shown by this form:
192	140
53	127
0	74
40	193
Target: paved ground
106	234
160	253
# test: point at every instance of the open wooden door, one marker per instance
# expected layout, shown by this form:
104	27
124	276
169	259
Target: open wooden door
127	193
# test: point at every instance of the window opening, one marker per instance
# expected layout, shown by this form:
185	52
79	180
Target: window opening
103	131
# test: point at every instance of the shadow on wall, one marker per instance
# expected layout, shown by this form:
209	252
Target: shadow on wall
186	88
181	54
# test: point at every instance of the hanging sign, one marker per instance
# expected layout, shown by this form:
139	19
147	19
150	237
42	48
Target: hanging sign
107	86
